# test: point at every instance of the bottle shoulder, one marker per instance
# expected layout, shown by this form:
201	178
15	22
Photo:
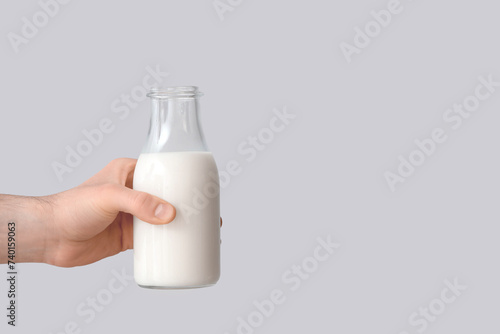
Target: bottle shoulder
188	158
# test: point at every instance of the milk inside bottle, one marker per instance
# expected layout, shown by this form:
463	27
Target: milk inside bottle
176	165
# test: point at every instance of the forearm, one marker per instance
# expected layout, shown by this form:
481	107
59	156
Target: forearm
31	216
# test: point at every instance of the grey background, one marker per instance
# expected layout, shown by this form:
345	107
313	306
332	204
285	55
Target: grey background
322	175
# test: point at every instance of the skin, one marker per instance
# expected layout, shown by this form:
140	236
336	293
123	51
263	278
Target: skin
82	225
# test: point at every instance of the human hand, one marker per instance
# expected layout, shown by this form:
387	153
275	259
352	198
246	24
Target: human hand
95	219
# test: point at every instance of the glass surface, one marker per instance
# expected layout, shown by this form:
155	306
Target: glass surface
175	125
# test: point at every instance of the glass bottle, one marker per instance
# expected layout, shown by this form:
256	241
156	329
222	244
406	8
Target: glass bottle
176	165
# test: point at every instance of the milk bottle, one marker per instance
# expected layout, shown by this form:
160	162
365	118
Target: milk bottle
176	165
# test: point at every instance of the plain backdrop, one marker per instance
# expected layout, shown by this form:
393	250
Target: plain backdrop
322	175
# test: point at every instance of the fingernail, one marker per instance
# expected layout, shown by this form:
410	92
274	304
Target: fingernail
163	212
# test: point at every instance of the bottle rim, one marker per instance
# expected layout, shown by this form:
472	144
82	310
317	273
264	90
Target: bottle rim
174	92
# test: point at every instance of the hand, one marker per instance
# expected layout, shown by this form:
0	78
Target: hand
95	219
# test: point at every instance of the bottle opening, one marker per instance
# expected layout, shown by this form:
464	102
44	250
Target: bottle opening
173	92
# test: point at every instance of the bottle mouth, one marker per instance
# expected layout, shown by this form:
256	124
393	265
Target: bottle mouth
174	92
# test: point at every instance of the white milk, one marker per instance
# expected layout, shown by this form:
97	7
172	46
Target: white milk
186	252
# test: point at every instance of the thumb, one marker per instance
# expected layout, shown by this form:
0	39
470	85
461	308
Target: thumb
144	206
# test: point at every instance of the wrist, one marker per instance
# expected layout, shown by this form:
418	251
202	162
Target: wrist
47	242
31	217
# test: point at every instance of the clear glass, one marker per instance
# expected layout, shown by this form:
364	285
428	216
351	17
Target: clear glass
175	165
175	124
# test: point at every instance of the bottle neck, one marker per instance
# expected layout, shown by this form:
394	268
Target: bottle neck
175	125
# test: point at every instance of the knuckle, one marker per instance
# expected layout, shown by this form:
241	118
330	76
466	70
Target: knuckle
120	168
141	200
113	163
